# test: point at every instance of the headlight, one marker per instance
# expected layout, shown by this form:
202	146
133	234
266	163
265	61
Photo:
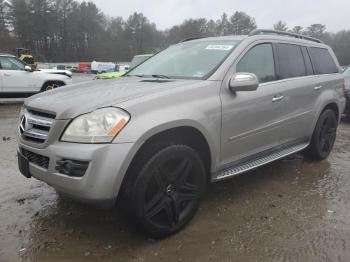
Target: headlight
100	126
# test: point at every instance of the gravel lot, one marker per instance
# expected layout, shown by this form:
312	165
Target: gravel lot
291	210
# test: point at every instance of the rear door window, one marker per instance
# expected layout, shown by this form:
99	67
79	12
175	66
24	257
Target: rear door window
260	61
322	61
290	61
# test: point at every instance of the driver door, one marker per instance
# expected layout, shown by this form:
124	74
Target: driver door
250	119
15	79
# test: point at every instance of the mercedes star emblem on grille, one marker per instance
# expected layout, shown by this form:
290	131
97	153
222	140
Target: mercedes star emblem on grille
22	124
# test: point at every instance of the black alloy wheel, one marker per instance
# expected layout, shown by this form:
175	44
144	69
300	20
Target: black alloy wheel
328	134
167	191
324	136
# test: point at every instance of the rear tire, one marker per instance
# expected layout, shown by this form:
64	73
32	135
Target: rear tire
324	136
162	194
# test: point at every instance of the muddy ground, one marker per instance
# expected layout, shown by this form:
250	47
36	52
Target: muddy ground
291	210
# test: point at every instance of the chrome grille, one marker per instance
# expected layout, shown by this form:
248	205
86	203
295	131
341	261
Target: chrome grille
35	126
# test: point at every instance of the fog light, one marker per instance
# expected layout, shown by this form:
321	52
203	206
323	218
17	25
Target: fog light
72	167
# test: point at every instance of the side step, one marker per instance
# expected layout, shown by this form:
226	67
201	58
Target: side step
257	162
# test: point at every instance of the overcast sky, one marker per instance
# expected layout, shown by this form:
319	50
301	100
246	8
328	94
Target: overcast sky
335	14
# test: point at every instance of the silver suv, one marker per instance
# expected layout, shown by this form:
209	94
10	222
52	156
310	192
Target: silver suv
200	111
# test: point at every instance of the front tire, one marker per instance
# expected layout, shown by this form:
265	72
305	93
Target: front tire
164	194
51	86
324	136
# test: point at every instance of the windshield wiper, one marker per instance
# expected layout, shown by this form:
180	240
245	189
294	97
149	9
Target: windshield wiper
160	76
153	76
133	75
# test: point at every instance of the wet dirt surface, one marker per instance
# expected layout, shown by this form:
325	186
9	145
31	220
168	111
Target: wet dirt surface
291	210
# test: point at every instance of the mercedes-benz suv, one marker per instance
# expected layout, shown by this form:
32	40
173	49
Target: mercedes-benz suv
200	111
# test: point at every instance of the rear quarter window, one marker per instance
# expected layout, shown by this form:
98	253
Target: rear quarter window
322	61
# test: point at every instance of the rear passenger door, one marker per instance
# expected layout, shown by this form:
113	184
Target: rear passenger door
295	72
327	73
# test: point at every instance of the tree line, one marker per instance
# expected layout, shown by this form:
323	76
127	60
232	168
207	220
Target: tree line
68	30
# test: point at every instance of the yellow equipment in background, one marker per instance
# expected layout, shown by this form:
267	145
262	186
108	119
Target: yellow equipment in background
24	55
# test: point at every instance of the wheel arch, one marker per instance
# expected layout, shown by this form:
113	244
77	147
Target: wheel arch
315	151
334	107
188	135
185	134
327	100
53	81
328	105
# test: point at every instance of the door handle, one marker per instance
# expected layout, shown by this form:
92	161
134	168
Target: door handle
316	88
6	74
277	99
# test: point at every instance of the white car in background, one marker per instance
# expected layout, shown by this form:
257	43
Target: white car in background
18	78
56	71
102	67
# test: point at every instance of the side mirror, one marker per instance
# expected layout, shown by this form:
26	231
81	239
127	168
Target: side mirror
28	68
244	82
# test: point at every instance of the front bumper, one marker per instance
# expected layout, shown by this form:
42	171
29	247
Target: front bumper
68	80
102	179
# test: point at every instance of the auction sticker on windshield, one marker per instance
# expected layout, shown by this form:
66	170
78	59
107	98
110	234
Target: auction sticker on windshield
219	47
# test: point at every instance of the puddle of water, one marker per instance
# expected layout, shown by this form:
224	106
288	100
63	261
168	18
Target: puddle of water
291	210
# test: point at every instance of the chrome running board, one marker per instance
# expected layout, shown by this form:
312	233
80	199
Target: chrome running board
257	162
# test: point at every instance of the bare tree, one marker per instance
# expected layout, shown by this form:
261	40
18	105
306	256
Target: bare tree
71	30
316	30
297	29
280	26
241	24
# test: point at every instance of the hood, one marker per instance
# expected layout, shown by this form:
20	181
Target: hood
56	72
70	101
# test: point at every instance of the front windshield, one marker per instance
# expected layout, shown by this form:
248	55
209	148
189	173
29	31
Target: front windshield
193	60
138	60
347	72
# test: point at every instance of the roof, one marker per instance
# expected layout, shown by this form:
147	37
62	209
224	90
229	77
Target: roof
283	33
216	38
4	54
144	55
263	34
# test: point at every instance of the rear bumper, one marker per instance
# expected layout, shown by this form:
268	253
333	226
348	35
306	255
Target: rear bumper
102	179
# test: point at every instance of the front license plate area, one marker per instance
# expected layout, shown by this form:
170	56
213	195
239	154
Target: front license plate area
23	165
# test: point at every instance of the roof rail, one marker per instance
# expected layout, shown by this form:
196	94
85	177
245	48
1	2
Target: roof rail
275	32
192	38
